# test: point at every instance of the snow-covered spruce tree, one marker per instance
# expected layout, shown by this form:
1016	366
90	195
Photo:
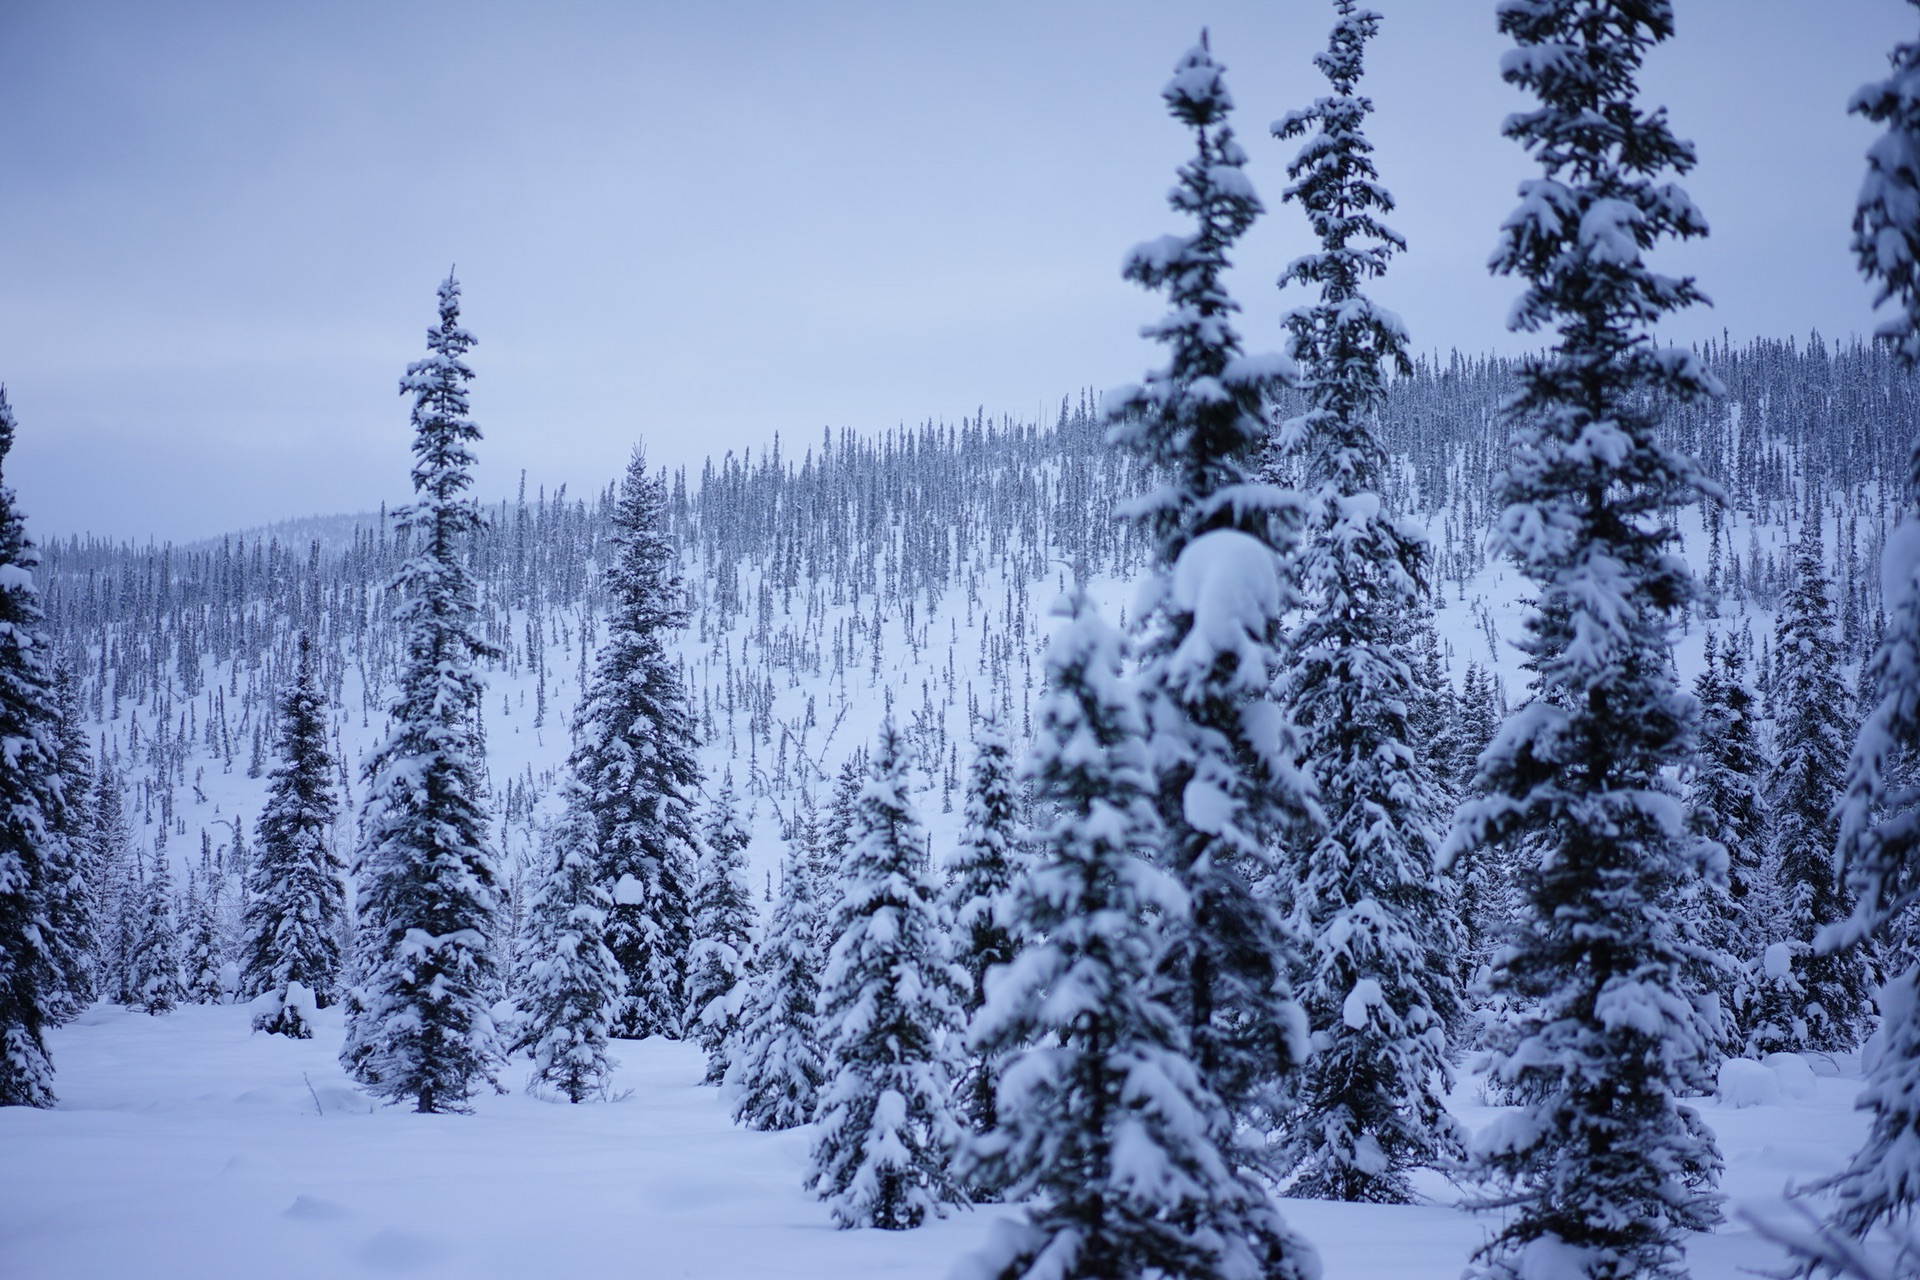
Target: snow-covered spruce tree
73	933
719	961
296	891
1725	805
634	739
1487	895
776	1067
419	1025
1106	1130
1879	836
204	965
1223	751
31	812
110	864
836	836
1605	1169
572	982
979	879
890	1018
153	963
1380	982
1811	733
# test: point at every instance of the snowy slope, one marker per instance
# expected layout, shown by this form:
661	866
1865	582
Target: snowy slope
185	1148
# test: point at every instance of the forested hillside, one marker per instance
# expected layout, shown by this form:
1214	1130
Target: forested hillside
917	566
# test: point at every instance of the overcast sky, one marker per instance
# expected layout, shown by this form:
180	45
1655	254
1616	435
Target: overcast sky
700	224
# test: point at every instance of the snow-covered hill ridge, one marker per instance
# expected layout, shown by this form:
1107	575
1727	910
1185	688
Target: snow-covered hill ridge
908	573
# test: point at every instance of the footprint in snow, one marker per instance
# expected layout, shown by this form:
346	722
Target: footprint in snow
394	1251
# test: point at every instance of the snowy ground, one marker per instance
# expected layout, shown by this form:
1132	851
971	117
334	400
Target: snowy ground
186	1147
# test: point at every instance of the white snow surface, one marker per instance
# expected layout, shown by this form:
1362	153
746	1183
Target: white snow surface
187	1148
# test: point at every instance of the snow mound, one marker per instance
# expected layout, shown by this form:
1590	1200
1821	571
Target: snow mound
1230	583
1794	1072
1746	1083
313	1209
1778	959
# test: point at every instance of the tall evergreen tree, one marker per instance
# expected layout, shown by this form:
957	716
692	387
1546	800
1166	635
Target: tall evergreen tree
296	910
573	983
776	1067
1879	827
419	1024
111	865
73	930
1605	1169
32	812
1811	733
890	1009
634	738
1488	896
980	879
1725	805
1223	750
719	962
1106	1130
1380	981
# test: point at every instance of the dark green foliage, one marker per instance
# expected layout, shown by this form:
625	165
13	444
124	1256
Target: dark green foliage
1604	1171
1830	1002
31	813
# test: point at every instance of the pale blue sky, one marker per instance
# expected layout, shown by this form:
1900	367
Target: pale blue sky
701	224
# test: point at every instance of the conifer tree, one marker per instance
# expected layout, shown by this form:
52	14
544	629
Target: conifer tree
1379	984
295	916
634	739
718	963
1226	784
73	931
1604	1169
1106	1130
32	813
419	1024
980	878
776	1067
110	865
203	967
1487	894
153	964
1725	805
825	861
572	982
1811	733
1879	815
891	1021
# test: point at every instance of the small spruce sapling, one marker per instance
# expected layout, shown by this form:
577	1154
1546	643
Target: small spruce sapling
776	1068
719	961
572	983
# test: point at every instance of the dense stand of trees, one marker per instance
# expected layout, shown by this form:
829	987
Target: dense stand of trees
1205	916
